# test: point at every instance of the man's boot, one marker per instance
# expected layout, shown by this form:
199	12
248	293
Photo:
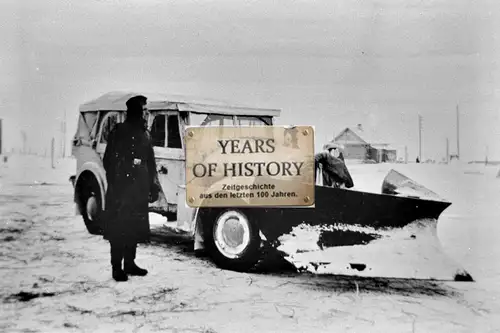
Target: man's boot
119	275
130	267
116	263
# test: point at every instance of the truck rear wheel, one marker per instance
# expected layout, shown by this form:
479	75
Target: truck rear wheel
232	239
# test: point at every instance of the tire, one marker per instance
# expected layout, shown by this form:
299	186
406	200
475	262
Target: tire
238	249
91	205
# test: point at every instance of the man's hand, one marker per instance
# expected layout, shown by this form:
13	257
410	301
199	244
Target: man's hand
153	195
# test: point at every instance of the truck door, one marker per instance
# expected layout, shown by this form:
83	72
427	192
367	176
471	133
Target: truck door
166	128
108	122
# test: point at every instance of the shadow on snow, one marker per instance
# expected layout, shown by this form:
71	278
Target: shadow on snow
276	266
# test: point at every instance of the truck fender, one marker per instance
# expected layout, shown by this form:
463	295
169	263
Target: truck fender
100	175
198	231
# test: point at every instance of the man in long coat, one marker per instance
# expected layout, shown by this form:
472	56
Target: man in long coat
130	167
334	171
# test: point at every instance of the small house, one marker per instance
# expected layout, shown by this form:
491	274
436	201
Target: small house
364	146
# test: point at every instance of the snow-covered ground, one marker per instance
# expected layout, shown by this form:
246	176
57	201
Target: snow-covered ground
55	277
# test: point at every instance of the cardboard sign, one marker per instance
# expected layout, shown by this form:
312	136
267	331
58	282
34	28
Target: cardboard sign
249	166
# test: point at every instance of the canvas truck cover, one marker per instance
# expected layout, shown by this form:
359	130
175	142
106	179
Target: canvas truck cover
115	101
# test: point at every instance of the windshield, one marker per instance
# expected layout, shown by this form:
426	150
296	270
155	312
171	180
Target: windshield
203	119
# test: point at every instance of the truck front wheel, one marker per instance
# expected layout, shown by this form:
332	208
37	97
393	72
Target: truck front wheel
232	239
90	204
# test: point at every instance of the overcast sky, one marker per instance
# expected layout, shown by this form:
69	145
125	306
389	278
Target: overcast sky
330	64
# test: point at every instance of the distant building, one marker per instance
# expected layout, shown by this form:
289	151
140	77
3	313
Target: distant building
363	146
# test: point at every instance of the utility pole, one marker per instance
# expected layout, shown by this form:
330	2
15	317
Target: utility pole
63	136
420	138
447	151
0	136
25	138
52	153
458	134
486	156
406	154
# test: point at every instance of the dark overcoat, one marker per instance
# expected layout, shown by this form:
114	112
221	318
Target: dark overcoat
334	170
131	174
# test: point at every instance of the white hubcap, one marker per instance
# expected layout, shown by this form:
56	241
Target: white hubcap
232	234
92	208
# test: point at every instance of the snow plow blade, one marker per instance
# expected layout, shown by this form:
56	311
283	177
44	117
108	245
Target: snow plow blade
392	234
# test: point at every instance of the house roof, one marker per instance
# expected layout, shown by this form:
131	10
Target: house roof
369	137
115	101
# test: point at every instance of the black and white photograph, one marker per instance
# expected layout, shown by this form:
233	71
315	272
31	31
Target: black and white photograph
394	105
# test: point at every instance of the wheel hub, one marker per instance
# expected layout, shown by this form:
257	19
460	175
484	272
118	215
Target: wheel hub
232	234
92	208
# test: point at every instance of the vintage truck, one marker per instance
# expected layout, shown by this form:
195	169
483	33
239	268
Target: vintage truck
348	232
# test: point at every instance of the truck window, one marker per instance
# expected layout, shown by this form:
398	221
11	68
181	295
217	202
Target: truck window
90	118
252	121
158	131
200	119
107	126
173	132
226	121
